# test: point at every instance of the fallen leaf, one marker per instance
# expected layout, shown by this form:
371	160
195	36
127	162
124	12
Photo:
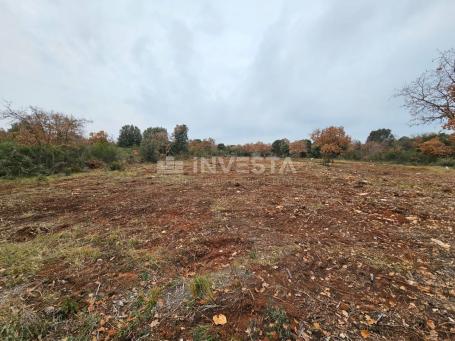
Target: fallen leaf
365	333
219	319
369	320
430	324
316	326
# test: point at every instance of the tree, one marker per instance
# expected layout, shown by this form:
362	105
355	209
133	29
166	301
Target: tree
280	147
431	97
160	136
300	148
98	137
332	141
382	136
35	126
202	147
435	147
179	143
129	136
258	148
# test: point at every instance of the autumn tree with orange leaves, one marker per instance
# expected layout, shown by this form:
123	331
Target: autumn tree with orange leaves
203	147
435	147
257	148
300	148
98	137
35	126
332	141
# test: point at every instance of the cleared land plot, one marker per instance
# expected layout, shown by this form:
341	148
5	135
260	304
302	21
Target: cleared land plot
354	251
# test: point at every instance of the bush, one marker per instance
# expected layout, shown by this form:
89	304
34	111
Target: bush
106	152
14	161
149	150
18	160
446	162
116	166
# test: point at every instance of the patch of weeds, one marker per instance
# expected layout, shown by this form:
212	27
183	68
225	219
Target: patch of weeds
201	288
68	307
145	260
254	331
205	333
23	324
143	312
144	276
24	260
78	255
278	326
253	254
85	324
20	261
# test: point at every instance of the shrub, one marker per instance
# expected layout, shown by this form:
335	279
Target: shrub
446	162
149	150
116	166
106	152
14	161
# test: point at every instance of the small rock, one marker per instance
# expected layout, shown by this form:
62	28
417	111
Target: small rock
49	310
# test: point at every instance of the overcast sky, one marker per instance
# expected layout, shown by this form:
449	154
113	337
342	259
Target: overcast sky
237	71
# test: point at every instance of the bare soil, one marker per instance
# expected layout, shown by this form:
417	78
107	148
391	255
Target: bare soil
351	251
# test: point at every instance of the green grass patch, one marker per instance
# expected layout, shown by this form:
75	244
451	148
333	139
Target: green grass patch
201	288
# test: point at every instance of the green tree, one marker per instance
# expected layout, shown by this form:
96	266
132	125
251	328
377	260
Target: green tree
179	140
280	147
129	136
383	136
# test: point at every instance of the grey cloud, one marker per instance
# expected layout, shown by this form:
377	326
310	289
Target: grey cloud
237	71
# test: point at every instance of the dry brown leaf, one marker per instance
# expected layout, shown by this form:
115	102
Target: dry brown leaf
431	324
369	320
316	326
219	319
365	333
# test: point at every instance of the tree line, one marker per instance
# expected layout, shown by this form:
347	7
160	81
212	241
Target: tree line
48	142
